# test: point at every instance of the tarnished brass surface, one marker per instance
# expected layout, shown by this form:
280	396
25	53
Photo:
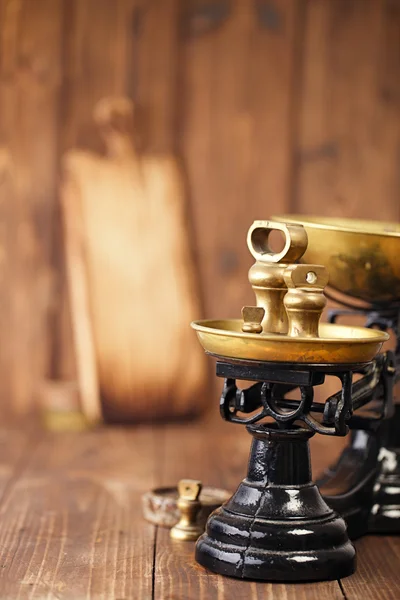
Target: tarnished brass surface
305	299
266	275
338	344
295	241
188	528
362	256
252	317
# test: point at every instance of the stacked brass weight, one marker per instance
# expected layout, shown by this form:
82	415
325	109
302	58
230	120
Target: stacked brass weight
290	297
277	527
267	274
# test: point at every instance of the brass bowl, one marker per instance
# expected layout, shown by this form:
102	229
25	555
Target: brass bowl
362	257
339	344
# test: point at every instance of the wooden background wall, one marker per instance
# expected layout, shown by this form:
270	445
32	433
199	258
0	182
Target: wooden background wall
272	105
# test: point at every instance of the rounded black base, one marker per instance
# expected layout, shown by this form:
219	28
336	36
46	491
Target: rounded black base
277	527
274	551
280	562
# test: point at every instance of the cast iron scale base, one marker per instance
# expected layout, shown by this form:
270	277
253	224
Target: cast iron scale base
277	526
364	484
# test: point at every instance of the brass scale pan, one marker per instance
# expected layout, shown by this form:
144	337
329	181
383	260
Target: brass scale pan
363	261
362	257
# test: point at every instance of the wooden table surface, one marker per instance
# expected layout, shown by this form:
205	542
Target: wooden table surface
71	524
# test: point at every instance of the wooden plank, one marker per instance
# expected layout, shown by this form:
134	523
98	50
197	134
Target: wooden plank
120	58
154	72
79	302
314	149
71	526
237	77
30	78
349	130
119	245
377	574
7	233
216	453
95	65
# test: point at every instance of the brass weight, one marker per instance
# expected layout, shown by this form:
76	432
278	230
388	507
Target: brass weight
252	318
188	529
305	299
267	274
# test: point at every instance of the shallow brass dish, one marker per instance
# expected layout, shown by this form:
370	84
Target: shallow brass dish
339	344
362	257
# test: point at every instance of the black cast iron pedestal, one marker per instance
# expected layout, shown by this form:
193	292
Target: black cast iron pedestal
364	485
276	526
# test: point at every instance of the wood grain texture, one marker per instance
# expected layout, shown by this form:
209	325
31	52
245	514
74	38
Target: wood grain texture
377	573
71	527
153	76
96	64
119	57
235	133
30	79
349	104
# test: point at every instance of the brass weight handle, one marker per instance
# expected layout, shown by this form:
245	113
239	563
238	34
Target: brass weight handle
296	241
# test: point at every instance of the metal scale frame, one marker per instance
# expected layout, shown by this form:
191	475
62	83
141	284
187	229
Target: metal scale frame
280	525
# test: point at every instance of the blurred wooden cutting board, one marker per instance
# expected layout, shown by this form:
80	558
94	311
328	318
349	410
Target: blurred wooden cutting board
132	283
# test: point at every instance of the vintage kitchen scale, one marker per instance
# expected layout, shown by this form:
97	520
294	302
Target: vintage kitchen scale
278	526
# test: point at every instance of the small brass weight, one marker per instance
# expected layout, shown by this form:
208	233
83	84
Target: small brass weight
252	317
305	299
189	505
